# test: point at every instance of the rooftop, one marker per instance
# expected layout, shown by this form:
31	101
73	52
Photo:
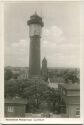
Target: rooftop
35	19
70	86
16	100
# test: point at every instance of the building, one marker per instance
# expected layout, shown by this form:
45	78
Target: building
70	93
15	107
23	75
35	29
44	69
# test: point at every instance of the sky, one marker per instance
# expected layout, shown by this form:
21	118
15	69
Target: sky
60	41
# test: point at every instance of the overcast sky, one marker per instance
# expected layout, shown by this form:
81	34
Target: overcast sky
60	42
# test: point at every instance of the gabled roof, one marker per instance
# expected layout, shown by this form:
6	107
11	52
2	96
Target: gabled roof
16	100
44	59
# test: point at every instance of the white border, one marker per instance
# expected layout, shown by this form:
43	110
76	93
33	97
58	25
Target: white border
1	60
35	120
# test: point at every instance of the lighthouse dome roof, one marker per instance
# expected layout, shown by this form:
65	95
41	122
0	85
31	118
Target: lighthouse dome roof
35	19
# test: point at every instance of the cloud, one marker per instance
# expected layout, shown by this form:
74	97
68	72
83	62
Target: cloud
59	50
51	38
55	46
53	34
22	43
17	53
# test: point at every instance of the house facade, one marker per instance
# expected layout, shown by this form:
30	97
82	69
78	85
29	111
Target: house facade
70	93
15	107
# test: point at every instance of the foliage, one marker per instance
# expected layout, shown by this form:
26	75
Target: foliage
11	88
71	76
8	74
53	99
65	75
37	93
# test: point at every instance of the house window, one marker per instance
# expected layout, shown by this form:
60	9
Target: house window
78	112
10	109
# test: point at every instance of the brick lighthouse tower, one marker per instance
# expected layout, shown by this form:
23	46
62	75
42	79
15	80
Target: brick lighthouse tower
35	29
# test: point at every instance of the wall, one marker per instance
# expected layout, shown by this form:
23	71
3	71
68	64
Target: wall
71	110
19	111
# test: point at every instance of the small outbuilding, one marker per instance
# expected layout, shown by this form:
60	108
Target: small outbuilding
15	107
70	93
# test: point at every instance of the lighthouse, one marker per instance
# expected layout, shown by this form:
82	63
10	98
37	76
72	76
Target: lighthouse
35	30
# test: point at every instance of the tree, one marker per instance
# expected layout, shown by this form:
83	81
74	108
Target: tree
12	87
15	75
35	93
71	76
8	74
53	99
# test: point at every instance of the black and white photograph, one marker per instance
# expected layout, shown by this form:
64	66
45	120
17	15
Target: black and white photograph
42	59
